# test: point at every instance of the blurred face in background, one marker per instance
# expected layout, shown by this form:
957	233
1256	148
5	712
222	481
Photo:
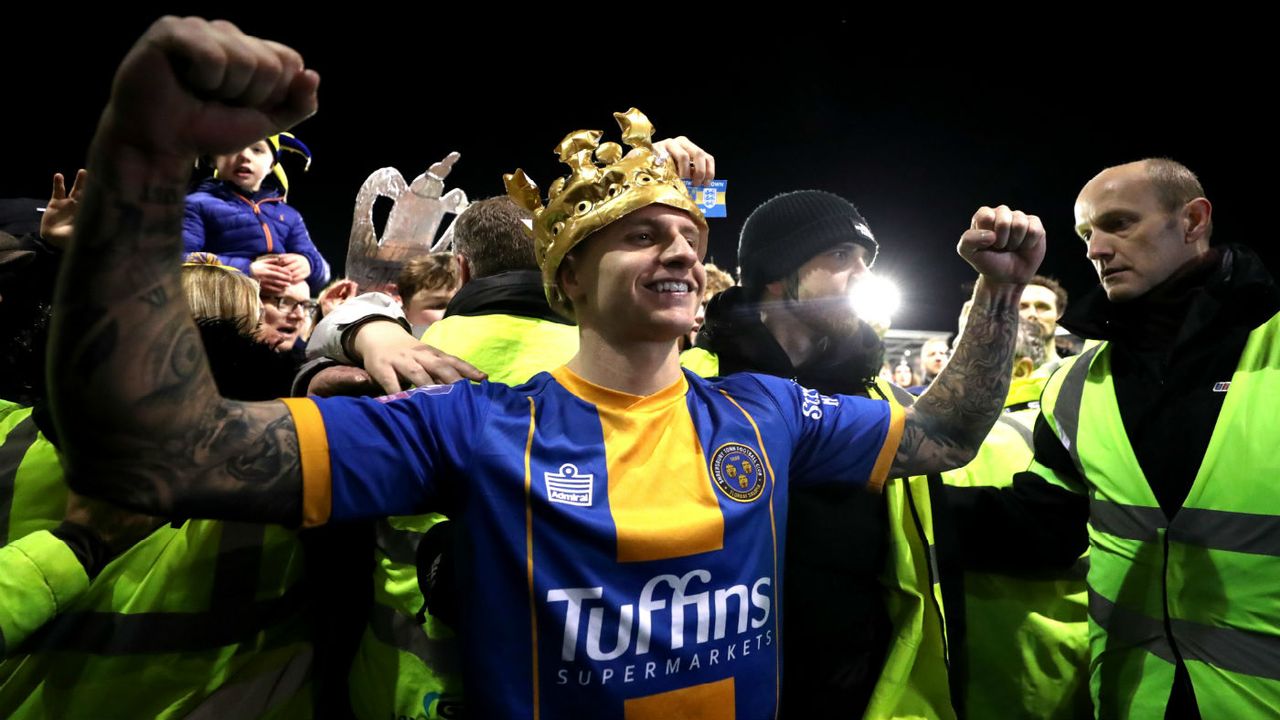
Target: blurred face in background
285	316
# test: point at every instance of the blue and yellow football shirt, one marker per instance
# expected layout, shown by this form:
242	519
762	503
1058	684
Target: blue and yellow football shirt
619	555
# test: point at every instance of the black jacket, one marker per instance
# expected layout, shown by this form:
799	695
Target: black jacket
515	292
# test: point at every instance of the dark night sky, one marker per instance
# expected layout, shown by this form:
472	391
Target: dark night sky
917	132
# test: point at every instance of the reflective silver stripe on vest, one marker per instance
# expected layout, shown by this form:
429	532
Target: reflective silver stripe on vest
1239	651
1211	529
12	451
107	633
402	632
401	546
1226	530
1128	628
1066	411
1132	522
1023	431
258	694
234	616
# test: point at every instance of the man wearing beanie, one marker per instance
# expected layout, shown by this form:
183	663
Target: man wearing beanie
864	632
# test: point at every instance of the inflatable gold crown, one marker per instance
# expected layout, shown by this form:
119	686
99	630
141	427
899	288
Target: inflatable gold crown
597	192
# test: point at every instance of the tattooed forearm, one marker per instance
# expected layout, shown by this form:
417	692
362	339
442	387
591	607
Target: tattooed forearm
226	464
250	451
137	411
949	422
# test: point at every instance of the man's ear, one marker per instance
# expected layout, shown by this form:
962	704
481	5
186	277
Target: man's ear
1196	215
567	279
464	269
1023	367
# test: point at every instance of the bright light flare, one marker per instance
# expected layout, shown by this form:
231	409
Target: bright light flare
875	299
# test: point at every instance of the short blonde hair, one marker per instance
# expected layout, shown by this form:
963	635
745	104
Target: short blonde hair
215	291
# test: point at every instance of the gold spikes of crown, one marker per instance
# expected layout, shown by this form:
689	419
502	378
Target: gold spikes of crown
597	192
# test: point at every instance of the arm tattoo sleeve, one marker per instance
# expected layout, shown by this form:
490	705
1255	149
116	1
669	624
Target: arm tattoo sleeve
945	427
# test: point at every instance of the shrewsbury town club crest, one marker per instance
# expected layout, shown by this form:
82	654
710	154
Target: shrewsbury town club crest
738	472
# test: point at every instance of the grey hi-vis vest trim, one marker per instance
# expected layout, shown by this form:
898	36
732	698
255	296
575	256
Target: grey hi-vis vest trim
233	615
12	451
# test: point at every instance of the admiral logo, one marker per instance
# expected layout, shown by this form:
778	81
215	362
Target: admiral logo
567	487
737	470
1222	386
813	402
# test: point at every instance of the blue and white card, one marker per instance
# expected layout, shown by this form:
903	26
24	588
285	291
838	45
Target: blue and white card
711	198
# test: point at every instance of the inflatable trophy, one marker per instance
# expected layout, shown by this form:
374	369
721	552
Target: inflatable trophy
420	206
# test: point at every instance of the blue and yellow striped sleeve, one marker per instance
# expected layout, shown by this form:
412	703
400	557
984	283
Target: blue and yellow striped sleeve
839	438
313	453
888	450
366	457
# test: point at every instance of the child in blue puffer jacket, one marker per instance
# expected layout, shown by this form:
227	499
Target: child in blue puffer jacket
250	227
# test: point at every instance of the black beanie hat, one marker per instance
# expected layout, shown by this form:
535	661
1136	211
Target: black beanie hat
789	229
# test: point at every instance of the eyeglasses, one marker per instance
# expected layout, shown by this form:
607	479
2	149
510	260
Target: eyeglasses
287	305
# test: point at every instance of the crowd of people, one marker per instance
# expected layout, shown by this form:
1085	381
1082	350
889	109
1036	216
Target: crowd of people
566	469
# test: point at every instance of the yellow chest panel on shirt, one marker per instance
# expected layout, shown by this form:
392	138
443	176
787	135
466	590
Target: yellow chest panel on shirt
660	491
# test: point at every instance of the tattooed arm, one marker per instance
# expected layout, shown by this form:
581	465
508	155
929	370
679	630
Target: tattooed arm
945	427
140	418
